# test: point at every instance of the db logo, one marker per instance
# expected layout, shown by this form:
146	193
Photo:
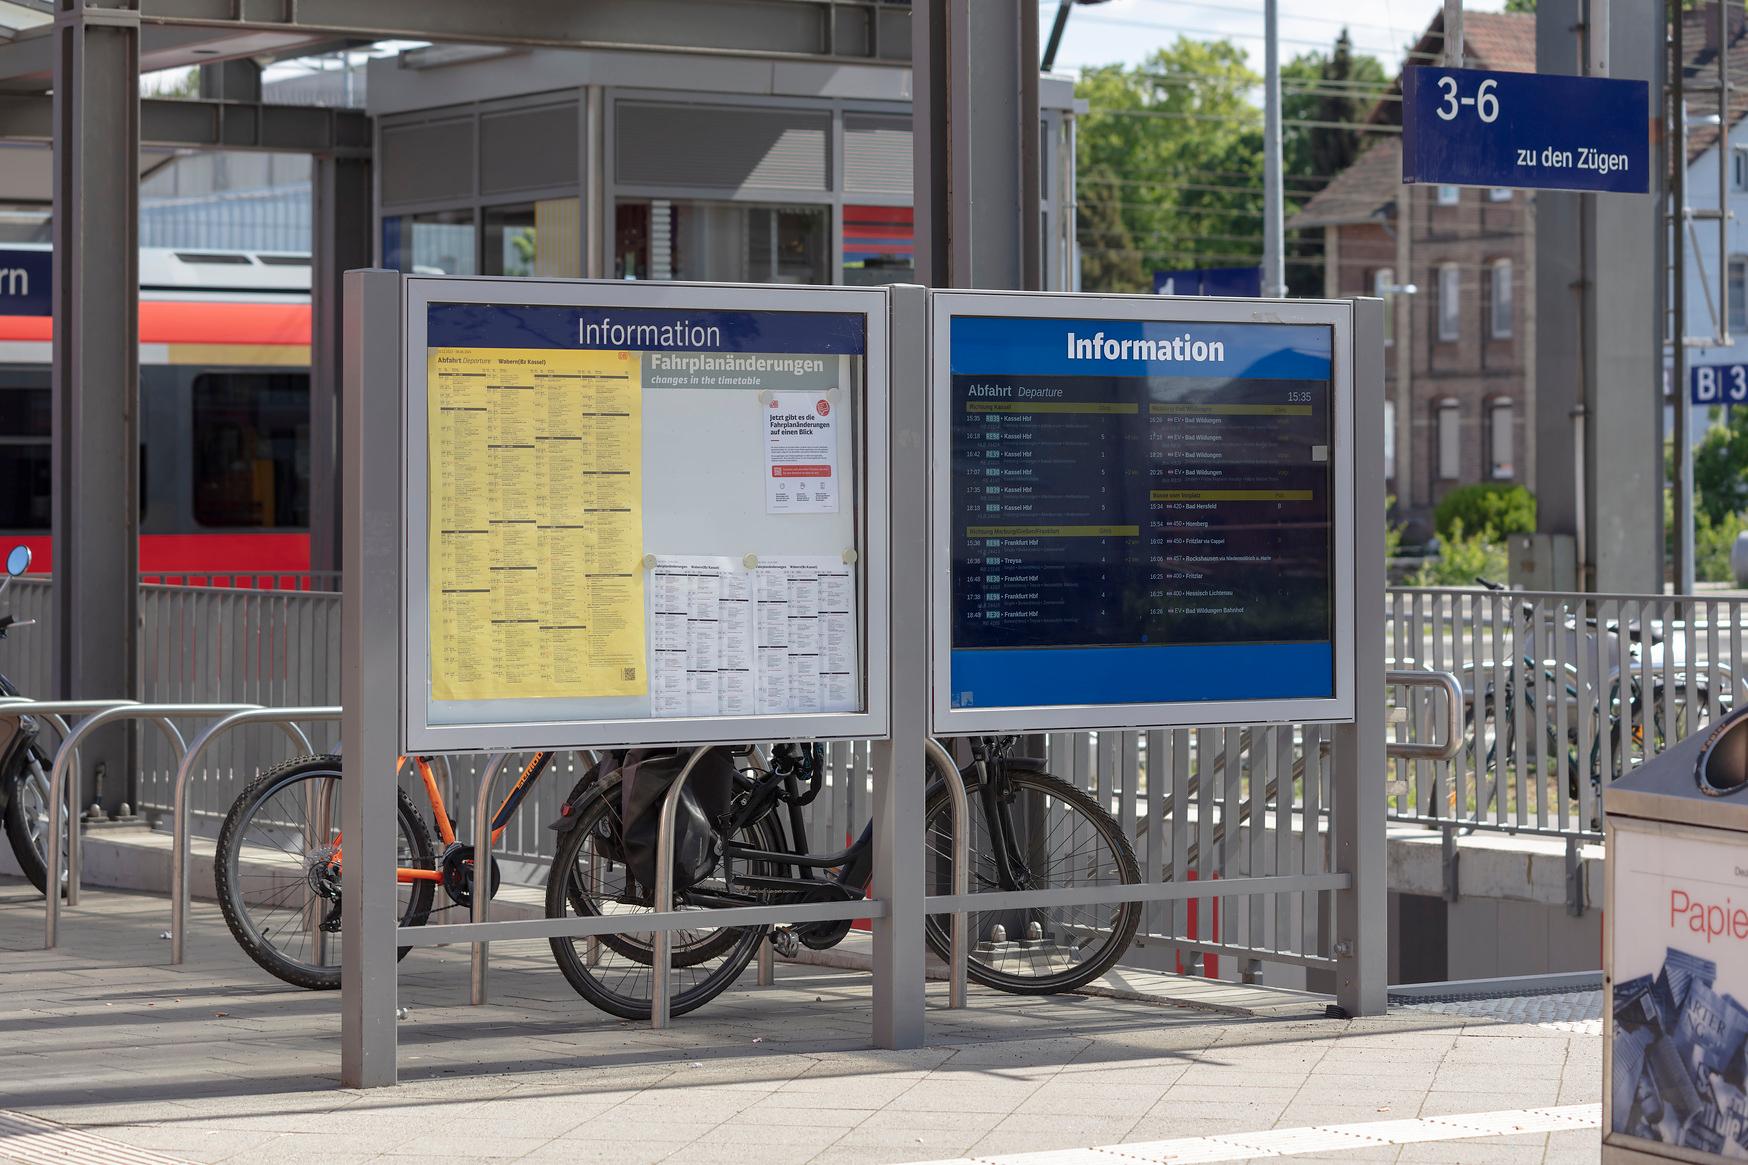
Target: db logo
773	404
823	408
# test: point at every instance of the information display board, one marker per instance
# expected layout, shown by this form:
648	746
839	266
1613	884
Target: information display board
1142	512
637	512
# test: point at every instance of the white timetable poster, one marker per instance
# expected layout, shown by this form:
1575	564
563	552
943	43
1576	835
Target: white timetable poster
801	453
728	639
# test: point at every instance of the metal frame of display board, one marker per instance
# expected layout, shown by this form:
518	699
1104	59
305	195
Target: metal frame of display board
1337	316
382	351
870	514
1357	845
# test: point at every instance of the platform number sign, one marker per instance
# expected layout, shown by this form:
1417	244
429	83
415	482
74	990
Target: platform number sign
1719	384
1477	127
1485	100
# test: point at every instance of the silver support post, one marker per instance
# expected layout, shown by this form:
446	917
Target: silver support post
767	963
1679	215
95	458
482	860
1357	818
1274	259
1453	55
900	780
370	679
662	941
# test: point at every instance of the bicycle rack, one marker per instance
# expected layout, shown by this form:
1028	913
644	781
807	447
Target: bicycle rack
1442	681
102	712
958	946
661	953
286	719
55	712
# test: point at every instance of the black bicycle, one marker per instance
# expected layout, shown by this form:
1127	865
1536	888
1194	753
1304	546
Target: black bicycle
24	767
1028	831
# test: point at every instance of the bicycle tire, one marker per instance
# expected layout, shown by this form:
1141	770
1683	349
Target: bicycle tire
731	948
227	870
1114	939
32	861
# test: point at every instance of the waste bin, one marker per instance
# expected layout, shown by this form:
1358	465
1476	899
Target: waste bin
1675	953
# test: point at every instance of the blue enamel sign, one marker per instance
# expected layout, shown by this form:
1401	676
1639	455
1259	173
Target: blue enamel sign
1243	282
1472	127
24	283
1718	384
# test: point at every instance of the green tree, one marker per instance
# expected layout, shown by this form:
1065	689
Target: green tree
1325	99
1520	5
1720	469
1170	164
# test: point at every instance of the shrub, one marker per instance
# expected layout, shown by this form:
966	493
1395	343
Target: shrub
1490	511
1711	545
1461	559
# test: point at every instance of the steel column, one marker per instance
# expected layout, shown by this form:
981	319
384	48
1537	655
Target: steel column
370	673
900	780
1357	818
341	200
95	464
978	184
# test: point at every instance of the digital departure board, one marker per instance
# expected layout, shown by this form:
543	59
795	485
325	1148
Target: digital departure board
1140	512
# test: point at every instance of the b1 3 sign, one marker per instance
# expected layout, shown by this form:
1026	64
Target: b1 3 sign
1471	127
1718	384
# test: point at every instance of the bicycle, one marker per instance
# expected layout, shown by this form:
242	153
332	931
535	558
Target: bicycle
1021	819
1656	722
279	860
24	767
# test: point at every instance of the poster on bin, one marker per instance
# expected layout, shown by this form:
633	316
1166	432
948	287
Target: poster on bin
1679	935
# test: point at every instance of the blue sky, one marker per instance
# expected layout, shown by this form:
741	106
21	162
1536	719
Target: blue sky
1127	30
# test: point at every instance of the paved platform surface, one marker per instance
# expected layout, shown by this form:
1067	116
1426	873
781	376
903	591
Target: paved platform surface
107	1053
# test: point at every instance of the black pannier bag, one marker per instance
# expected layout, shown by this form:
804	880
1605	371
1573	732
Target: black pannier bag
648	774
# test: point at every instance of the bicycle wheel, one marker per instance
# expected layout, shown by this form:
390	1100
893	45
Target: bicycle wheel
589	879
1067	840
27	820
278	882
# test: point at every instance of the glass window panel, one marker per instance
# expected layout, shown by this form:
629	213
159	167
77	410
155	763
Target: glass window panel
1389	439
1500	314
508	233
1450	308
1500	437
723	242
251	449
437	243
1450	447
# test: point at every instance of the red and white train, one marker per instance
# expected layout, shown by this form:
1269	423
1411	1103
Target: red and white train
224	415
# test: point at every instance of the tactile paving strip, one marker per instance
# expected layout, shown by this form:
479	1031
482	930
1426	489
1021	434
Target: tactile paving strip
1314	1139
30	1140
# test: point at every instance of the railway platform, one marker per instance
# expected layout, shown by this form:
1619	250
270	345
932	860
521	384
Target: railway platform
112	1053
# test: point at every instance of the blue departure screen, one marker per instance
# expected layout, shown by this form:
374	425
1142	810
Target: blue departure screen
1141	512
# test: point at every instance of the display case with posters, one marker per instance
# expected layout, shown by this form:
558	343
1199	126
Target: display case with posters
1143	512
637	512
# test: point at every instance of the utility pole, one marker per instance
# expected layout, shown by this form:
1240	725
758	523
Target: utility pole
1274	260
1678	218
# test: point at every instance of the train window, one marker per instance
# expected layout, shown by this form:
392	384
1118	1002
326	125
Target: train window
251	449
24	448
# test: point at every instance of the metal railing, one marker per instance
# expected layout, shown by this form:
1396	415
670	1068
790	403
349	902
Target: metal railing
1564	693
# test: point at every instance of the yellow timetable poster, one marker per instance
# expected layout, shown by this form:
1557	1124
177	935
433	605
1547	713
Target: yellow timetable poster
536	524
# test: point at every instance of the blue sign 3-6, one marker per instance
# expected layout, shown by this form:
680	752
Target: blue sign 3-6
1473	127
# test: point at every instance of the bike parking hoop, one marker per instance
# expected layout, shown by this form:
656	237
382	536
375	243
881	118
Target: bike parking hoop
286	719
1448	685
958	945
99	714
56	713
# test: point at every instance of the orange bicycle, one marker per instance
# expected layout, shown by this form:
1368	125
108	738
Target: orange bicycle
278	863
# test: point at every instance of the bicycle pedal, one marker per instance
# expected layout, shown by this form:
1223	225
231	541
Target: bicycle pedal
785	943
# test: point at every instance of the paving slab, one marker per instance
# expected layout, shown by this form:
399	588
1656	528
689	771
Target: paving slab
216	1061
